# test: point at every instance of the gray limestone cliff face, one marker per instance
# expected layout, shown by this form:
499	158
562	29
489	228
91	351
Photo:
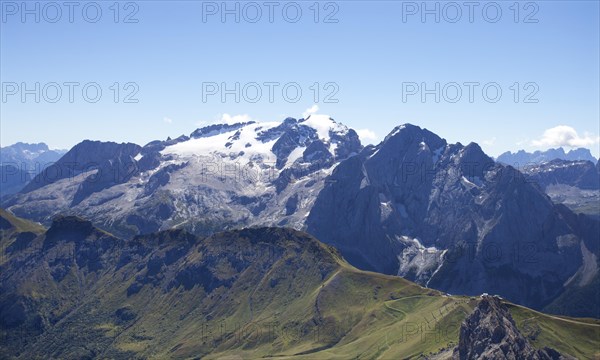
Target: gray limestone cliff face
446	216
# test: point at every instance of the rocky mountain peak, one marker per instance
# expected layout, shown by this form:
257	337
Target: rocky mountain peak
69	223
474	162
68	229
408	139
411	205
580	154
86	156
247	169
490	333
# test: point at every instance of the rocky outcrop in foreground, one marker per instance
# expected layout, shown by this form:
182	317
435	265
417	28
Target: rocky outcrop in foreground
490	333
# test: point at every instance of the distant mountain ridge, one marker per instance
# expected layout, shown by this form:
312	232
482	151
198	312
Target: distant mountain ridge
575	184
581	174
523	158
29	154
21	162
571	178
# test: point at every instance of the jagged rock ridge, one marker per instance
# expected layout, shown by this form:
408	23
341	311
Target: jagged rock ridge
523	158
490	333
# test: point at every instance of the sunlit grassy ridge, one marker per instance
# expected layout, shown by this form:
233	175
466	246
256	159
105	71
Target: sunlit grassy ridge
10	229
574	336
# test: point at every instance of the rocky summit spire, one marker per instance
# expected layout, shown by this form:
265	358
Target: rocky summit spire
490	333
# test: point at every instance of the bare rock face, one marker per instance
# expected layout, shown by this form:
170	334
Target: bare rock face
447	217
111	160
491	333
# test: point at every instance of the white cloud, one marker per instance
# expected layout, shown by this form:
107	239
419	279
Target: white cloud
489	142
224	119
522	142
366	135
233	119
311	110
168	120
564	135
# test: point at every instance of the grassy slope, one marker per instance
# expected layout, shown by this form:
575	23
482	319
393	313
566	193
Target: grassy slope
346	315
20	224
577	337
369	316
299	301
9	234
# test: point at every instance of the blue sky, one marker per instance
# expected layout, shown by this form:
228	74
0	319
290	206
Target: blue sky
370	57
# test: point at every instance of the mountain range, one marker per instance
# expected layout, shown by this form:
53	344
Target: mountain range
20	162
523	158
445	216
581	174
576	184
221	175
